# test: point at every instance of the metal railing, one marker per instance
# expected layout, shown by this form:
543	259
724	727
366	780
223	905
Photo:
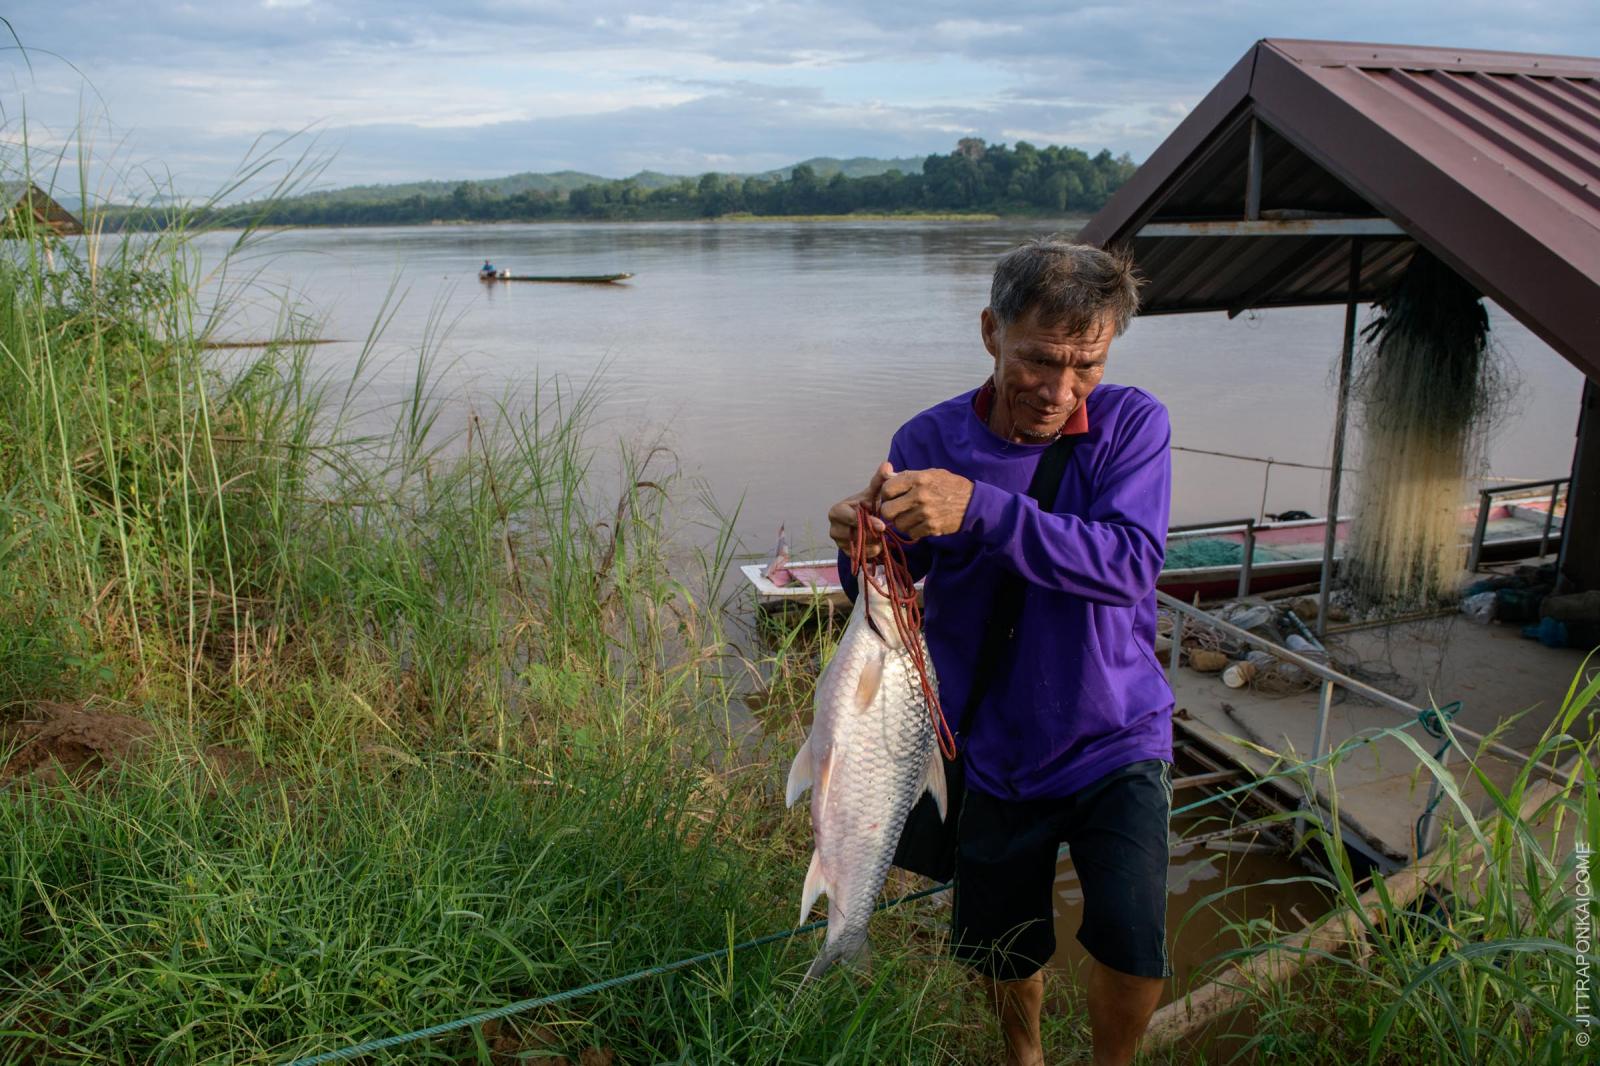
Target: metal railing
1331	678
1486	504
1248	554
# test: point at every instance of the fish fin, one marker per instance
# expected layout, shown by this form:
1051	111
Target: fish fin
819	787
799	774
937	788
870	681
861	959
814	887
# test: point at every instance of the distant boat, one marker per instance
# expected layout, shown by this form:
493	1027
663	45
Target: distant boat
575	279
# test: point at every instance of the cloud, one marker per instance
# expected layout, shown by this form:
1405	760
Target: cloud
413	89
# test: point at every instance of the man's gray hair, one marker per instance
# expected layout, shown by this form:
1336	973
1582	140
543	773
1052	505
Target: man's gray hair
1074	286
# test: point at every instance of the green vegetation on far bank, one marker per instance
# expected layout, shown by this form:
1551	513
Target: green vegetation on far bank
866	216
975	179
313	732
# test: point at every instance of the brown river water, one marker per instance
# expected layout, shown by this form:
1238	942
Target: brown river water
776	359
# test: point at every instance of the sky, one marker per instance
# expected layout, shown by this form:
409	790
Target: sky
183	95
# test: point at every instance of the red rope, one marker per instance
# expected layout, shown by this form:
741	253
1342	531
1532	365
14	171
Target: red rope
893	582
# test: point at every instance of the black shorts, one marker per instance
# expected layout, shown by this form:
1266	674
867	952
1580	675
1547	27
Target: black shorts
1004	917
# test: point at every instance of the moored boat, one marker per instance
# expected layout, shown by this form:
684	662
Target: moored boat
1209	559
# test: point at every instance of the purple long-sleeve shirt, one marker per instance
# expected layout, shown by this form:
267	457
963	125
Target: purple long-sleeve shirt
1084	694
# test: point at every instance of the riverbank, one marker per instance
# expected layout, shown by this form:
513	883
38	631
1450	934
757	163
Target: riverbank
315	733
310	734
740	217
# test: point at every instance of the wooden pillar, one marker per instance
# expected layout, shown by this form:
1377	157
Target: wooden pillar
1580	533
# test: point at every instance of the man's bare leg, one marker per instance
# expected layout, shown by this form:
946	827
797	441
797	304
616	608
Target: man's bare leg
1017	1003
1120	1006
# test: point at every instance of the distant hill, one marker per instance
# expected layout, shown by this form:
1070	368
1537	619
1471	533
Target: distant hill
975	178
561	181
564	181
858	167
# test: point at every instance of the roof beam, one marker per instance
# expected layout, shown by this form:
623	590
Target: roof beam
1268	227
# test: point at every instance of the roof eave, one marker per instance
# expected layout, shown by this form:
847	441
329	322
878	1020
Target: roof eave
1141	195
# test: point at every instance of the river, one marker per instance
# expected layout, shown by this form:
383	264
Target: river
776	359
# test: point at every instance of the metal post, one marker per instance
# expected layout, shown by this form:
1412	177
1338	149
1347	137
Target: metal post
1175	652
1428	824
1475	549
1549	517
1248	558
1341	416
1319	748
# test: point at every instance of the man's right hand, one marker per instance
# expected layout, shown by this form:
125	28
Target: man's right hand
842	515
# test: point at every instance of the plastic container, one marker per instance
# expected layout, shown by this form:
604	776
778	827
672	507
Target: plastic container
1241	674
1250	617
1479	607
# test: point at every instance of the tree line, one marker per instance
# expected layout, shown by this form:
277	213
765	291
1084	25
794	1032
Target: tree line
974	178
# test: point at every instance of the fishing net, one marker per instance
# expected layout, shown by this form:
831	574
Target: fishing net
1212	551
1427	385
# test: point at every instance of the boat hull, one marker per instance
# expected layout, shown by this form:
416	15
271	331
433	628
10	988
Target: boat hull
563	279
1284	555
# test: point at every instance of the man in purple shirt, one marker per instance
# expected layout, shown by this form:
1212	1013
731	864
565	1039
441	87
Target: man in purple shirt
1067	735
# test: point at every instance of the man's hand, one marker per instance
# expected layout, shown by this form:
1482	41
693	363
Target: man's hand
925	503
842	515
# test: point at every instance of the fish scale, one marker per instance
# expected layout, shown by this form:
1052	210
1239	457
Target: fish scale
871	754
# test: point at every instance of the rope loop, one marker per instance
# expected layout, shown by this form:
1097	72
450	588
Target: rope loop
892	580
1433	719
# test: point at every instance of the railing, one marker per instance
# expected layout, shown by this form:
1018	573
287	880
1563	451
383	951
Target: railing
1246	559
1486	504
1330	679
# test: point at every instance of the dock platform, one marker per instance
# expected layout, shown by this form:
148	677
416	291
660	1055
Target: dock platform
1508	686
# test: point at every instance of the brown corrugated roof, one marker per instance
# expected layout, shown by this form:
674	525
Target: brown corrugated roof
18	196
1491	160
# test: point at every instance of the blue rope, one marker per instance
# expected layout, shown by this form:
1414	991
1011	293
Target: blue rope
1433	721
1425	719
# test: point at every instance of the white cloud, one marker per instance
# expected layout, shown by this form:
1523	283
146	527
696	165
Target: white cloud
425	88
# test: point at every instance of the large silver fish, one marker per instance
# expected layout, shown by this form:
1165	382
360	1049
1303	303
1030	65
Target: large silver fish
870	756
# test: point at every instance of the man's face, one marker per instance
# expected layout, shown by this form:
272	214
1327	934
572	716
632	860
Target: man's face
1041	373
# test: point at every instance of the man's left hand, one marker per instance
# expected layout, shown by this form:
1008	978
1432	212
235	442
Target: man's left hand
925	503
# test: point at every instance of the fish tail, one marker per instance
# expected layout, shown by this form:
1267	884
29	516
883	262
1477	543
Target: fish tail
819	965
851	948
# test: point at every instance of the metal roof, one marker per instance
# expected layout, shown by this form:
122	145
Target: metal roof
19	195
1306	149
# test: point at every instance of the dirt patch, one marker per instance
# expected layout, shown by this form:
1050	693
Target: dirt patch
55	740
515	1044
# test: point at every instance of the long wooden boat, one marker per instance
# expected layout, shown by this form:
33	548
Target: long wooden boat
571	279
1208	559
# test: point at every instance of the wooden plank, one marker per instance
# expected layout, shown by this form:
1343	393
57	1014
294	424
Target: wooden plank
1196	780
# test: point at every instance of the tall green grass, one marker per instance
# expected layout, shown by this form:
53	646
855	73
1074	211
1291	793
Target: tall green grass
448	715
171	914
